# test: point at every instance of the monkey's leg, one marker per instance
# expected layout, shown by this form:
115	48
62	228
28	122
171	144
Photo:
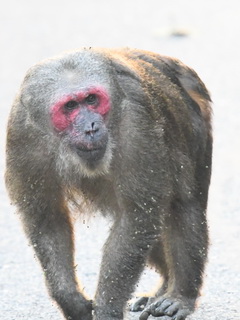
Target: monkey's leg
186	251
124	258
50	232
156	258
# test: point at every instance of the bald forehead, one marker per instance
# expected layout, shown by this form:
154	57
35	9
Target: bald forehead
70	72
86	63
82	70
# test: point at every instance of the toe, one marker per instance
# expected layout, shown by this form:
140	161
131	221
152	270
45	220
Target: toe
173	308
161	309
144	315
181	314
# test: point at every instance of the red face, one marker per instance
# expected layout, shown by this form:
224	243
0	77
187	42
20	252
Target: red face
81	116
65	111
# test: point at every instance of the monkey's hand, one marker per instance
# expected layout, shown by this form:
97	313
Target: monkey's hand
174	309
141	303
77	310
87	311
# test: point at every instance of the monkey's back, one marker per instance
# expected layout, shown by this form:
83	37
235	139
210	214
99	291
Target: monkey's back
166	132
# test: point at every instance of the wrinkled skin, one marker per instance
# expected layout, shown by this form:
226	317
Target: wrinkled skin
126	133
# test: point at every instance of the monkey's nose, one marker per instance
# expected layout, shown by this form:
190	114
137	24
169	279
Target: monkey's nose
91	129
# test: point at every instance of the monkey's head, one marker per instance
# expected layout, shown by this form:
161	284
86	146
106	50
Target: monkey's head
71	98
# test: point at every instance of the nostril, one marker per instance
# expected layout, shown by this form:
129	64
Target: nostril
93	129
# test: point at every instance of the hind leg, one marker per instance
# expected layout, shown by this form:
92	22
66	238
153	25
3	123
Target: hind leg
185	248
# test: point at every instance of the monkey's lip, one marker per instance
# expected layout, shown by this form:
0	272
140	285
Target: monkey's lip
91	154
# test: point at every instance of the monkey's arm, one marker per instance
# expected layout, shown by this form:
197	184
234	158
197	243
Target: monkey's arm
52	239
34	188
123	261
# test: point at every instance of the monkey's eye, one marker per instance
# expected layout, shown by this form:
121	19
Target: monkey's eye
71	105
91	99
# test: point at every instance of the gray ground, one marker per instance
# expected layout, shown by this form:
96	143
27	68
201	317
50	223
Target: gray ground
31	31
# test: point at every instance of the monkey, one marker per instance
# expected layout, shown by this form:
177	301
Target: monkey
125	132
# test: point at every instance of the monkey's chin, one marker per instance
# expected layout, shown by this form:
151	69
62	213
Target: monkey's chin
91	157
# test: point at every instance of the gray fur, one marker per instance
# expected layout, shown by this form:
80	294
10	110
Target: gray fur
153	178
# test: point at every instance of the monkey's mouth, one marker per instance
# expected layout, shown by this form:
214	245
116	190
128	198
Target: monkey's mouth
91	155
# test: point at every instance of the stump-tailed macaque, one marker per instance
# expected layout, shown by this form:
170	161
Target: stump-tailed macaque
126	133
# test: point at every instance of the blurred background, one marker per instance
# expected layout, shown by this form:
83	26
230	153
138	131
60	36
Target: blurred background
203	34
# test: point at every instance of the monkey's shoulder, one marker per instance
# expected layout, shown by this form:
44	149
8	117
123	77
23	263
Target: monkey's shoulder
174	69
158	73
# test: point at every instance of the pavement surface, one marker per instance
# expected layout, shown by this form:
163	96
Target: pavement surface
203	34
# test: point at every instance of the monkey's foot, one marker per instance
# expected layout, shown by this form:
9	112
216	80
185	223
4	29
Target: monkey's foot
166	309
